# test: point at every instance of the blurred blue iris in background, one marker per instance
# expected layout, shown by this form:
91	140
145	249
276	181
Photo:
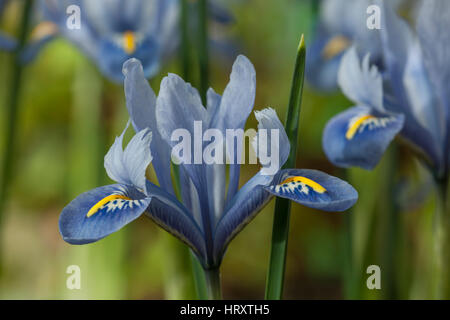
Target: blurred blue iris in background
410	96
115	30
208	217
7	43
341	24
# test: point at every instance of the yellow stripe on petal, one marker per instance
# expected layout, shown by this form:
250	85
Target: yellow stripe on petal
129	42
43	29
103	202
335	46
308	182
356	124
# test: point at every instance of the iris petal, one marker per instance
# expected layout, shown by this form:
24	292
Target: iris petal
97	213
141	105
313	189
244	206
166	211
362	83
359	137
235	106
128	166
179	106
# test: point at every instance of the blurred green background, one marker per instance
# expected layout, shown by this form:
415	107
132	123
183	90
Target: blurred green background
58	107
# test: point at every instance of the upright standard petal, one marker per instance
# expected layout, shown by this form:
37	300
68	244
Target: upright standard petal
313	189
141	105
97	213
362	83
359	136
129	166
179	108
235	106
433	26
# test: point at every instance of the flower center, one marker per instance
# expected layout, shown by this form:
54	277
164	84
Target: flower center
129	42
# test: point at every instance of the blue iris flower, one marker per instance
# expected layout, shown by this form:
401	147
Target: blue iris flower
341	24
115	30
410	96
7	43
209	216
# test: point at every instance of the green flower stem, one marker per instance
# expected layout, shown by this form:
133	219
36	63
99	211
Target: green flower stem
392	227
349	271
280	231
203	48
441	286
185	55
199	281
213	284
199	278
12	112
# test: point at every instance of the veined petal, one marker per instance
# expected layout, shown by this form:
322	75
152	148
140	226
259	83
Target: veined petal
244	206
179	107
361	83
129	166
238	98
141	105
97	213
235	107
359	136
166	211
313	189
213	103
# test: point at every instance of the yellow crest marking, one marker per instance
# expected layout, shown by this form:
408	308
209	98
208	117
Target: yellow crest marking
335	46
129	42
310	183
104	201
43	29
355	126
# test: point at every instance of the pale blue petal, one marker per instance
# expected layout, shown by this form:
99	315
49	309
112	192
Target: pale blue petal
141	105
268	121
129	166
433	26
166	211
359	137
235	106
244	206
361	83
178	106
